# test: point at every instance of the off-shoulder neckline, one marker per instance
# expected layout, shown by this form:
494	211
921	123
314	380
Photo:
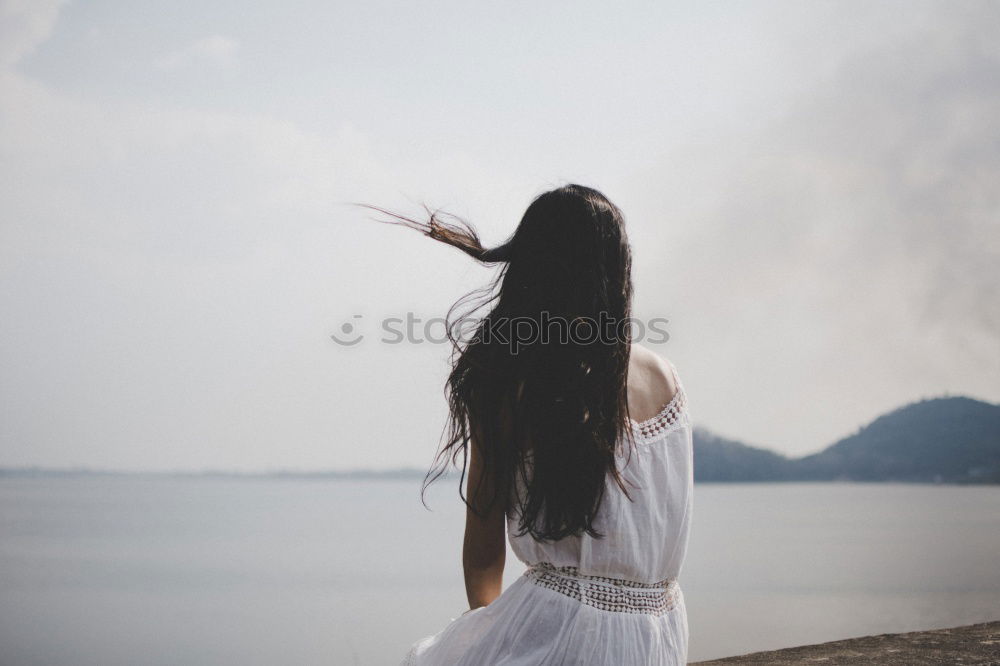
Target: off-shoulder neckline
660	414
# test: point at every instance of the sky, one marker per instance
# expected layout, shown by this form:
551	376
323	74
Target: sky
810	191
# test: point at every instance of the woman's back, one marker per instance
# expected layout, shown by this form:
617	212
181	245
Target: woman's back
645	537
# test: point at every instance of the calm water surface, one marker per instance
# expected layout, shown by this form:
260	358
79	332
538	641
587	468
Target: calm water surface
158	570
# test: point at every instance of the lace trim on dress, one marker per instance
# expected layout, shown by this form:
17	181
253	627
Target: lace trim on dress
615	595
668	419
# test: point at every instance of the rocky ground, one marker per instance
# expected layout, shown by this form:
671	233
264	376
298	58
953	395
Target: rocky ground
973	644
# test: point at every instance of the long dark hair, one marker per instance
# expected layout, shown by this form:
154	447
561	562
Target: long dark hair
544	412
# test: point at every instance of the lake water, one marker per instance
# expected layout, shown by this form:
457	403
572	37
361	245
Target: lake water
161	570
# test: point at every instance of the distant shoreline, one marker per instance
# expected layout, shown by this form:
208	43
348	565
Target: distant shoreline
398	474
402	473
939	441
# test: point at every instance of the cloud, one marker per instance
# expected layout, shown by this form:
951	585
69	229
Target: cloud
215	50
24	24
169	276
847	256
138	234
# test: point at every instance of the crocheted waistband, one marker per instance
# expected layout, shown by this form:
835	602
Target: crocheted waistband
615	595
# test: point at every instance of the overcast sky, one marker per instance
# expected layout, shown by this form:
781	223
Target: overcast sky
811	191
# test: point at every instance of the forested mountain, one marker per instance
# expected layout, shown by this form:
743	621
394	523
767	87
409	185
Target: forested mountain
720	459
955	440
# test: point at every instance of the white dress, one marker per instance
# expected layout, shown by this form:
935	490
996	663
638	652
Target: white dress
613	601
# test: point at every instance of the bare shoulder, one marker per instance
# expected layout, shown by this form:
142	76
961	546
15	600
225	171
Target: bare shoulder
653	365
651	382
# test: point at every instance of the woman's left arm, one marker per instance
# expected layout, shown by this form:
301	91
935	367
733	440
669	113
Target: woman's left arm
485	546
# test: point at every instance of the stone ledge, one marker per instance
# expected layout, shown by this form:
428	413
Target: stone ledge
972	644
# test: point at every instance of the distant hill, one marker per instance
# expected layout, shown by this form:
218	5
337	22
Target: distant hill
952	440
719	459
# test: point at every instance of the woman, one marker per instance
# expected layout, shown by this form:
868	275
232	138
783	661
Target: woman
596	504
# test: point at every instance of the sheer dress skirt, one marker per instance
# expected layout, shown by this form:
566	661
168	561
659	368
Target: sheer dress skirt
555	615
